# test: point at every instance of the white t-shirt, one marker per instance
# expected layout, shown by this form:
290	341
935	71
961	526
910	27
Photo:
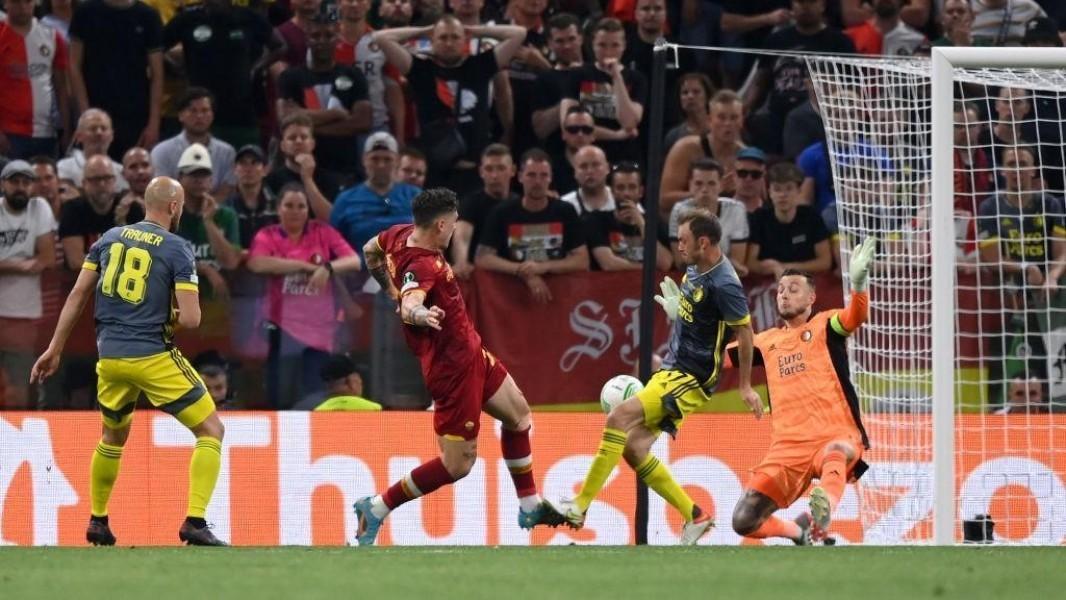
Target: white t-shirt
731	215
73	167
904	40
574	199
1003	26
20	294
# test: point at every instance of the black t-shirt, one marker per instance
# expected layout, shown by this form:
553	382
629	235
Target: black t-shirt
786	87
593	88
340	87
638	58
220	48
328	183
250	221
523	80
602	228
756	37
117	42
563	180
548	92
787	242
474	209
77	218
518	234
434	89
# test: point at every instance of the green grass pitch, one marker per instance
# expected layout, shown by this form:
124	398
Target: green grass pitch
751	573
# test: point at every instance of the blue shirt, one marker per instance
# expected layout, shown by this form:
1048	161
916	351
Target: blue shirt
860	160
711	302
140	267
360	213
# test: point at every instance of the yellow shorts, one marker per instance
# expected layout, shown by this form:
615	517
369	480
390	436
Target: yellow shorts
167	380
668	398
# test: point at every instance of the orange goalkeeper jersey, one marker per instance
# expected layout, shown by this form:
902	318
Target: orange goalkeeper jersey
807	375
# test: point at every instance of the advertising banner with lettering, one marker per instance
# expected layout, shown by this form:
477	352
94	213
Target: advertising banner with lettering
290	478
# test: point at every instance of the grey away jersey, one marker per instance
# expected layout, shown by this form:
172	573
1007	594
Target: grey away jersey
711	302
140	267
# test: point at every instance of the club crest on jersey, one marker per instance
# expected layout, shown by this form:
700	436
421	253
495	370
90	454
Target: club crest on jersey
409	282
45	50
806	336
343	83
697	294
202	33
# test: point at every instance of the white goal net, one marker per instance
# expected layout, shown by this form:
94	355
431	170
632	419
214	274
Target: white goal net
1009	365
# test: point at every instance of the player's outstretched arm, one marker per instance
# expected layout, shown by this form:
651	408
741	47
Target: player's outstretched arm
413	312
79	295
375	263
852	317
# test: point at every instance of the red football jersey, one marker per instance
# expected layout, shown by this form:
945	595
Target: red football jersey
446	355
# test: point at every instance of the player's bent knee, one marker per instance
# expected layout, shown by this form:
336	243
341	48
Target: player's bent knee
459	467
626	415
523	422
633	455
745	519
459	458
211	427
844	448
116	437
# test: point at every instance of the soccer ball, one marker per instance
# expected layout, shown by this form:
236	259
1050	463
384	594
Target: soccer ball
617	390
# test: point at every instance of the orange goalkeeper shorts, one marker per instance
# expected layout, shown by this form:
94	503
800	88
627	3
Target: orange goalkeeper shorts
786	471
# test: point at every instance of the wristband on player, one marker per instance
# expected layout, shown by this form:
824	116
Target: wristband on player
329	267
419	311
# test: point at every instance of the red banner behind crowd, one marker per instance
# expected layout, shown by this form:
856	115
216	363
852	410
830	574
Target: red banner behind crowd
563	351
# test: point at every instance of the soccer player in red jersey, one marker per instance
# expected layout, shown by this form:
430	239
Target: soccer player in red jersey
462	376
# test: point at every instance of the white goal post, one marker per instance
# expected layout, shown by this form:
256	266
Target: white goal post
929	155
944	63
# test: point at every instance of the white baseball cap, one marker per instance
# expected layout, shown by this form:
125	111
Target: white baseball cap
381	141
195	158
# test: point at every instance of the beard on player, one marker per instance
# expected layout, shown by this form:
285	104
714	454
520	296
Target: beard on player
787	310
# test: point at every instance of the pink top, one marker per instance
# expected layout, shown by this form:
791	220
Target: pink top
310	318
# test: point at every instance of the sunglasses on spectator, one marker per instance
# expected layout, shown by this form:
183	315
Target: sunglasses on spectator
100	178
750	173
584	129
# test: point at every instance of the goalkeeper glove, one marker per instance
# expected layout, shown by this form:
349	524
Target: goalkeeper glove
861	257
670	298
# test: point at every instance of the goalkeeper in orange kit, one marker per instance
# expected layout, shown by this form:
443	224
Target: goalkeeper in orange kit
816	428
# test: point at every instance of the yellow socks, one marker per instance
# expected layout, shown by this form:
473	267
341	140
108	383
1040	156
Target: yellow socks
103	470
611	446
658	478
203	472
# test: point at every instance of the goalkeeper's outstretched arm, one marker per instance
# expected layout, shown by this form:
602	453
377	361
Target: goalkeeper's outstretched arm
858	310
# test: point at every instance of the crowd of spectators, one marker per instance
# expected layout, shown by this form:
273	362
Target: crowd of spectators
301	128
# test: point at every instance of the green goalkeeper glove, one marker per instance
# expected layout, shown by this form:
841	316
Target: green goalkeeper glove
670	299
861	257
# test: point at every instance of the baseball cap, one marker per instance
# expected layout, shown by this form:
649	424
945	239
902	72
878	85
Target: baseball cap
195	158
381	141
337	366
251	149
1042	30
17	167
752	153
